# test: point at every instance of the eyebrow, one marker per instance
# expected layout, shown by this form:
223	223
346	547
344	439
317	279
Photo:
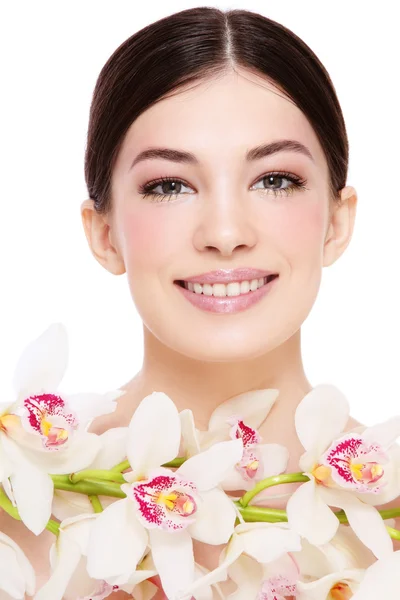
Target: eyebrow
180	156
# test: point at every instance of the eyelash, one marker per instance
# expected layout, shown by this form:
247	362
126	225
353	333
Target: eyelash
298	184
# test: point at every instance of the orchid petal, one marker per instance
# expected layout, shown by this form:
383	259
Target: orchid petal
79	454
209	467
215	518
320	417
234	480
384	434
274	458
253	407
310	516
229	555
16	572
90	405
191	441
70	504
43	363
267	542
32	489
113	448
381	580
33	492
154	433
173	558
68	557
117	541
11	580
247	574
364	519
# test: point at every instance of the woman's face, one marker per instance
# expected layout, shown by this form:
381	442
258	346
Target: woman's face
223	215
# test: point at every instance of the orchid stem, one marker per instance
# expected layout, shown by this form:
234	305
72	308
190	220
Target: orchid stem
101	474
88	487
269	482
97	507
122	466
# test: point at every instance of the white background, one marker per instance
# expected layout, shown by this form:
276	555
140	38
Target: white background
51	55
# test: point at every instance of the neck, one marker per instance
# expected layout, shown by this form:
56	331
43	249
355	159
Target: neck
201	386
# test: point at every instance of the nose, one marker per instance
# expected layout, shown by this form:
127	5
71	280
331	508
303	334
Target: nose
224	226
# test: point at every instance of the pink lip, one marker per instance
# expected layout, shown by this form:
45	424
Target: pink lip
227	304
228	275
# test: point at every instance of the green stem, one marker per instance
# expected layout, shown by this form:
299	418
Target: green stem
122	466
394	533
88	487
177	462
97	507
271	481
53	526
6	504
101	474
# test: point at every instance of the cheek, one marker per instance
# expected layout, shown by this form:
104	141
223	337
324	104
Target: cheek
148	239
299	231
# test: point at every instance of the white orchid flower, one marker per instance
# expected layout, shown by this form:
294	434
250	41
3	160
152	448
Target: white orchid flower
43	432
350	470
69	579
251	548
240	417
167	508
112	452
17	576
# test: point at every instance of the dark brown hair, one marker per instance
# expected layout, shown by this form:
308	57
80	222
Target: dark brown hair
188	47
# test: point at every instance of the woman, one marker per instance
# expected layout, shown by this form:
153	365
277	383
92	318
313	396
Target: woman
216	143
216	168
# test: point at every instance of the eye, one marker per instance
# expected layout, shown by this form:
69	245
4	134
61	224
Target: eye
171	186
275	180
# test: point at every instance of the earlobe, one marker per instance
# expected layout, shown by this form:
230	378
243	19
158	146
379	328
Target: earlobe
97	231
341	226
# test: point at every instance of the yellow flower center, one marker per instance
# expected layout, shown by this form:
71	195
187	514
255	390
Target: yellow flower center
322	474
178	502
340	591
8	422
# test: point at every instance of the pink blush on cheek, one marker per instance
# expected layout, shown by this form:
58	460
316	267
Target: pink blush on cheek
299	228
148	239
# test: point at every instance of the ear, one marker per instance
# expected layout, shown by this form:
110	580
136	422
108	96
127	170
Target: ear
98	234
341	225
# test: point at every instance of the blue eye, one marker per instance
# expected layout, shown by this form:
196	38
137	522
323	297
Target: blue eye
148	189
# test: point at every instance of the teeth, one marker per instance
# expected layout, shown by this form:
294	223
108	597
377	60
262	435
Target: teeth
229	289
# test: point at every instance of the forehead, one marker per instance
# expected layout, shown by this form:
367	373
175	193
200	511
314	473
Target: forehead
222	117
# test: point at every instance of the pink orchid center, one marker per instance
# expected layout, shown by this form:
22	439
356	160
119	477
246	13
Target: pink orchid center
48	416
165	500
239	430
248	465
179	502
250	462
340	591
352	463
278	588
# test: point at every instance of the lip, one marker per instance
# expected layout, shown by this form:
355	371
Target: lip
229	275
227	304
